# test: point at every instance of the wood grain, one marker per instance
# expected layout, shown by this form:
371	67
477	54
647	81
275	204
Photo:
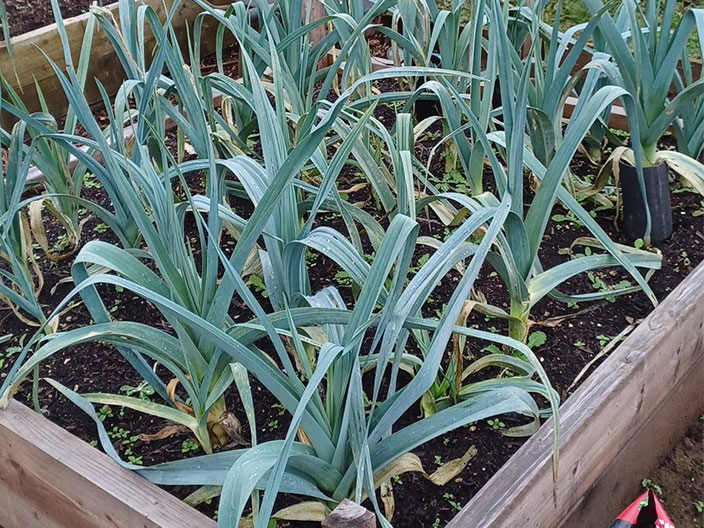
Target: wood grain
51	479
317	11
632	408
653	441
349	514
617	118
104	64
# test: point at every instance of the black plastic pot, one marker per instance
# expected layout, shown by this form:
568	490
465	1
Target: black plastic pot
496	101
657	190
424	108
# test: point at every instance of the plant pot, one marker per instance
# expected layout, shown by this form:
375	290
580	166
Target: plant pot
657	190
424	108
496	101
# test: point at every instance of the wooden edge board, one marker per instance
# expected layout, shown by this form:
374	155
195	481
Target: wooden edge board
620	483
617	118
600	421
32	66
50	478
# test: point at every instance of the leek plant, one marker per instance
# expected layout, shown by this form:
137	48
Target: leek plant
97	156
21	279
516	259
62	184
689	128
551	80
645	46
343	450
596	140
425	28
424	33
284	46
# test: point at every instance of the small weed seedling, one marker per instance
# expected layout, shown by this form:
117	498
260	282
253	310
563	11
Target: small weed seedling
141	391
258	284
648	484
599	285
136	460
568	218
90	182
342	278
11	350
450	498
496	425
104	412
603	340
537	339
452	180
189	446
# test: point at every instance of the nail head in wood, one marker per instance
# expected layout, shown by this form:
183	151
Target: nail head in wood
349	514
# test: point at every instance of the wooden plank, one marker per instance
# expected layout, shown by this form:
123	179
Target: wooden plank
630	394
31	64
50	479
619	484
104	64
617	119
317	11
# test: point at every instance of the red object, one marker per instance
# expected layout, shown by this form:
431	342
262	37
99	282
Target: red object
646	512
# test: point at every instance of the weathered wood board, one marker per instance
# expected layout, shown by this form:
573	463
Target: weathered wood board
615	427
51	479
31	65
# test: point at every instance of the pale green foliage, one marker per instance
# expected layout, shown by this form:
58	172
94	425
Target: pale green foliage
279	139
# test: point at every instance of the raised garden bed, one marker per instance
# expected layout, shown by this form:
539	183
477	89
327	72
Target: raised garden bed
597	450
615	428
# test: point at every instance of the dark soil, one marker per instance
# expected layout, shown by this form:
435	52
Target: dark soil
679	481
571	344
26	15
